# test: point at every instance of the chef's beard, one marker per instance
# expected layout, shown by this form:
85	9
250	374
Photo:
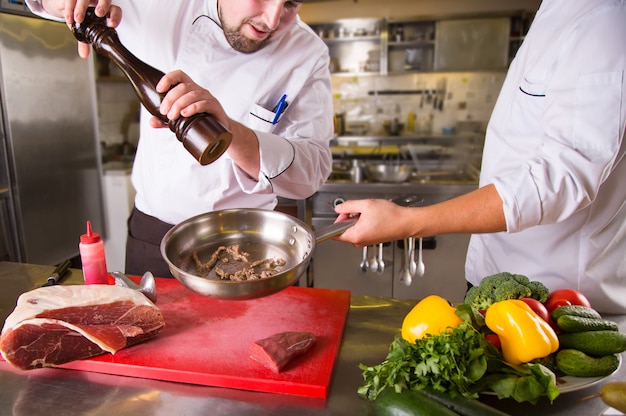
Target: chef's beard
243	44
237	40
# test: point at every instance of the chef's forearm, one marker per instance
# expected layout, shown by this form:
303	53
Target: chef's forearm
477	212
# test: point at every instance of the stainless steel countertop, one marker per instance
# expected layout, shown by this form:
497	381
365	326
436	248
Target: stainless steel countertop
371	325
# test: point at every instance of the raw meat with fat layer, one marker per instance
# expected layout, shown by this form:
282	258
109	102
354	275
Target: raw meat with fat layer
57	324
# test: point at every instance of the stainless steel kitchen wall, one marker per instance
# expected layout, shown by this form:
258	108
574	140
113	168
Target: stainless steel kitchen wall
50	160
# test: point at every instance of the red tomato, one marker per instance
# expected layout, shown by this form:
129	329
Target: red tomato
537	307
494	340
563	297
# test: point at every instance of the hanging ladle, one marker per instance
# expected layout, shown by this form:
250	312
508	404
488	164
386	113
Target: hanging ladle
364	262
381	262
421	268
412	263
410	267
374	260
405	275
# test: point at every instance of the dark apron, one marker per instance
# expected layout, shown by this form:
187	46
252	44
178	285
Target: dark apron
143	245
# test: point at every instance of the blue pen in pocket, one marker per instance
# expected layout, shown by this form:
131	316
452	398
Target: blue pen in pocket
279	108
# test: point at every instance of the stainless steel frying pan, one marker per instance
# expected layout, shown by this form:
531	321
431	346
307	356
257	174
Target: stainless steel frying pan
261	233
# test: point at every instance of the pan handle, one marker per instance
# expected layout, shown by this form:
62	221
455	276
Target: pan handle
333	230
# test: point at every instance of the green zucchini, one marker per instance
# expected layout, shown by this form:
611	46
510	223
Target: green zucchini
571	323
463	405
595	343
408	403
574	310
578	364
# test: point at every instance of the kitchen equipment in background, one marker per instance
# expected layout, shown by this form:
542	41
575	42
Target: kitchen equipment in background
263	234
337	265
49	156
58	273
119	198
373	60
421	267
398	35
340	123
393	127
357	127
390	171
472	44
413	59
201	134
410	267
406	274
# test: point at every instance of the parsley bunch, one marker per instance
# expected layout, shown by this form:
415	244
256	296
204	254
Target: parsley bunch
460	362
451	362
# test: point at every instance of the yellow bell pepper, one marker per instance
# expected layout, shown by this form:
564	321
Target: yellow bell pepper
431	316
523	334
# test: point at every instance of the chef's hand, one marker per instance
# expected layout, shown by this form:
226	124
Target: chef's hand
73	11
185	98
380	221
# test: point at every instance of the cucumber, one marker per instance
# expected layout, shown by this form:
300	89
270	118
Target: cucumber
578	364
408	403
463	405
571	323
574	310
595	343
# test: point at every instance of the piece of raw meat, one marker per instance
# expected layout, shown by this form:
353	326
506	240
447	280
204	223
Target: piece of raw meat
57	324
277	350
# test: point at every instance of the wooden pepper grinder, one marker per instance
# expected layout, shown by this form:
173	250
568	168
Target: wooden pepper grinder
201	134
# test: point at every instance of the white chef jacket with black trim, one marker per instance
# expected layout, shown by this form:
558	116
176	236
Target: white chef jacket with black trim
295	156
555	151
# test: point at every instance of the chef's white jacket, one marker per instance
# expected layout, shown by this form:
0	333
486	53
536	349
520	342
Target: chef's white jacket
555	151
295	156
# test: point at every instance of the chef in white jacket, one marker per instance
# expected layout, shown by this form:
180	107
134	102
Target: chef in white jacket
552	197
234	59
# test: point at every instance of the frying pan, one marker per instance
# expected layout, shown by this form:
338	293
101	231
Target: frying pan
260	233
387	172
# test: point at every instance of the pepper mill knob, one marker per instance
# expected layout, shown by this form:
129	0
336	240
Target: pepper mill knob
201	134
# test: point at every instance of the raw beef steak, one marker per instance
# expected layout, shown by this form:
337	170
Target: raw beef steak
57	324
277	350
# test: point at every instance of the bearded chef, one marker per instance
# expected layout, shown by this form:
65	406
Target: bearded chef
258	69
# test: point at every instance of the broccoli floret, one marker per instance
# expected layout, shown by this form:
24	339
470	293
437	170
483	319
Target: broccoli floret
539	291
521	279
511	289
493	281
478	298
504	286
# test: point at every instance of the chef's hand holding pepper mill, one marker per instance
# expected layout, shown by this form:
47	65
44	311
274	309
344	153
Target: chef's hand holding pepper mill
181	97
251	65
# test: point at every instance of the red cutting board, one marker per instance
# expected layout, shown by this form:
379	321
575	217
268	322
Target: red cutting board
205	341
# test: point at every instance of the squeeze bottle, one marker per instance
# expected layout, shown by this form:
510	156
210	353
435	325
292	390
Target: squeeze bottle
91	248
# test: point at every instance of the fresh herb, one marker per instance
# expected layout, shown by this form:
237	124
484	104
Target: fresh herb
459	362
452	362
